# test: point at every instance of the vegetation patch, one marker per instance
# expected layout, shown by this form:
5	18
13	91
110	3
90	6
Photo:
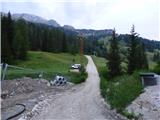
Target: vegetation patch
50	64
119	91
123	90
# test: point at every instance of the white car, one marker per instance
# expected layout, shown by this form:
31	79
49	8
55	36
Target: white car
76	66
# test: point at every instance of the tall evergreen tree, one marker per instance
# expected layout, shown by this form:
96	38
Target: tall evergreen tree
133	56
114	59
64	43
143	57
21	42
137	58
7	38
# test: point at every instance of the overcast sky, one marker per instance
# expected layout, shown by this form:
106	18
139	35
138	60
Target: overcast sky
95	14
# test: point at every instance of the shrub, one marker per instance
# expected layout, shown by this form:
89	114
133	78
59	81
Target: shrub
124	90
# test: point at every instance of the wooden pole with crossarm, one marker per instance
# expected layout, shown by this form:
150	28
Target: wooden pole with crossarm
81	47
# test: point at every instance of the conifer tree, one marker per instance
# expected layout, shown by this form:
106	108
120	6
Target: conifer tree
6	38
133	52
64	43
114	59
21	42
137	58
143	61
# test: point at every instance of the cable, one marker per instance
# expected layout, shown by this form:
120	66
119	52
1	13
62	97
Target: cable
24	108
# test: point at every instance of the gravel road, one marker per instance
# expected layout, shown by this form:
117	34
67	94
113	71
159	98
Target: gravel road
83	102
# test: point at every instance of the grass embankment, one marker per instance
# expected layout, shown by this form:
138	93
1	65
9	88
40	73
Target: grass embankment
120	91
151	63
48	63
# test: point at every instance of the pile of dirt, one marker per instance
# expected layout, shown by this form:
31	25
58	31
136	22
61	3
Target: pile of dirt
26	91
21	86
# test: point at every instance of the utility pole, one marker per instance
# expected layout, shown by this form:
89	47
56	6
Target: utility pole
81	47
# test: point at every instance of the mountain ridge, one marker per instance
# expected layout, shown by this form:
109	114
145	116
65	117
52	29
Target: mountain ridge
35	19
51	22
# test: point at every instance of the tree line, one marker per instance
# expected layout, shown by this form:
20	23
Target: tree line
150	45
136	57
20	36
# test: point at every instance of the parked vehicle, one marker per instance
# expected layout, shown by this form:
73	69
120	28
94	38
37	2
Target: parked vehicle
75	66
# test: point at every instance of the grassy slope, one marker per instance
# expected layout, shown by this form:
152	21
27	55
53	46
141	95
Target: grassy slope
120	91
50	63
102	69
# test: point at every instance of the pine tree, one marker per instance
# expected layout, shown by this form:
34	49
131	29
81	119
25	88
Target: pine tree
133	52
21	43
114	59
64	43
10	29
7	38
137	58
143	61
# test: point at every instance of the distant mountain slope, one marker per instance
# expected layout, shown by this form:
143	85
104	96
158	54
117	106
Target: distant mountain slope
95	34
86	32
35	19
68	27
150	45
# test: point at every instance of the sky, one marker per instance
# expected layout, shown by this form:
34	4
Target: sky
95	14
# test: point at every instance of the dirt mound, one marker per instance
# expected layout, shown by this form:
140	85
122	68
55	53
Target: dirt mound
23	85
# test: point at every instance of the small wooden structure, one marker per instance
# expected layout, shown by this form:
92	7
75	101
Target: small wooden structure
149	79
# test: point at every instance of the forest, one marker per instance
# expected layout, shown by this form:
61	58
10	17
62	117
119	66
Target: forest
20	36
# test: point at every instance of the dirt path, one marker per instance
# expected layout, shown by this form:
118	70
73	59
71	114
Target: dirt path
82	103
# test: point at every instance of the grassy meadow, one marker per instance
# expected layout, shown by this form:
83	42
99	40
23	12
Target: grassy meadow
48	63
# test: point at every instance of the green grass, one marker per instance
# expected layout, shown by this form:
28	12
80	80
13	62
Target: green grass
48	63
119	91
151	63
124	90
102	69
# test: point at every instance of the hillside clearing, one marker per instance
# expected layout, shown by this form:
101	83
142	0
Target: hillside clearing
48	63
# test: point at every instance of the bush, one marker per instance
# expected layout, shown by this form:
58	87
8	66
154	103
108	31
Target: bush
78	77
124	90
